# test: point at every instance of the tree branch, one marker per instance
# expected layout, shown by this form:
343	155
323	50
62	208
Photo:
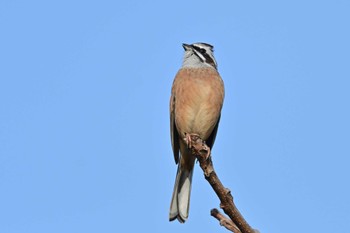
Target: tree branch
202	153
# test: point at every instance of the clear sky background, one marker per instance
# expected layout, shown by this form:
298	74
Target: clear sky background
84	115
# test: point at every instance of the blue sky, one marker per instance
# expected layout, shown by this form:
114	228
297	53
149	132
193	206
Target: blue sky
84	121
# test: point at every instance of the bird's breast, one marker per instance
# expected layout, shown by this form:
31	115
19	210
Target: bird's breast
199	95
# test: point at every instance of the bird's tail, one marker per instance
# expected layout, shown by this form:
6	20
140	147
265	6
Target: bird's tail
180	202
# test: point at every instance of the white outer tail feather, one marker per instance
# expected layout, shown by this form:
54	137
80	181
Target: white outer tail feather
180	202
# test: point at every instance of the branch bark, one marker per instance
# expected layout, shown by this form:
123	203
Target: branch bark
202	153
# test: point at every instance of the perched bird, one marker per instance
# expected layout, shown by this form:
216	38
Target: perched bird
197	97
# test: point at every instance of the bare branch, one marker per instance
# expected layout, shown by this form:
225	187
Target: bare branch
202	153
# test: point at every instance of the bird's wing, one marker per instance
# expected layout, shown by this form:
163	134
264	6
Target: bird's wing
173	130
210	141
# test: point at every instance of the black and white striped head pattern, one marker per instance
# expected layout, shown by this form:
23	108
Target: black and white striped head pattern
199	55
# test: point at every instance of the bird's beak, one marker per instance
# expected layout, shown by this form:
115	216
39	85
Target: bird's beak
186	46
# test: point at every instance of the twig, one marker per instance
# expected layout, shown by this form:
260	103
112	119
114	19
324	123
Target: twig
224	221
202	153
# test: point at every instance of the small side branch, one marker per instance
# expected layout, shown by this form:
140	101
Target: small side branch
224	221
202	153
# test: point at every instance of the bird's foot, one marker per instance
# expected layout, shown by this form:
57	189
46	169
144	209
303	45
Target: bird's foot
205	150
189	139
193	141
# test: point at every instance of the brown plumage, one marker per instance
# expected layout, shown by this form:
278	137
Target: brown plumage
195	105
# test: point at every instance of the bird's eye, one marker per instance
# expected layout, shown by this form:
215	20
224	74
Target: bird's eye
203	51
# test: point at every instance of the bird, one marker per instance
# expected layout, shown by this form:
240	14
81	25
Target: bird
197	97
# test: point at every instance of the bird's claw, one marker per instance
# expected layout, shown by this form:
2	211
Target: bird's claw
192	140
206	150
